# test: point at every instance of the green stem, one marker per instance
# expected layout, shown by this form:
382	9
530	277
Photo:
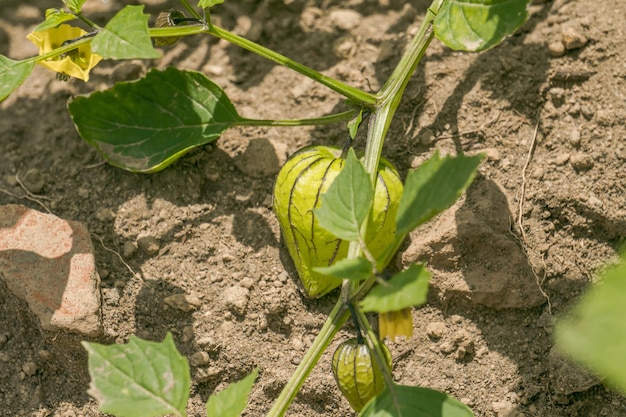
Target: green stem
172	31
391	92
192	11
335	320
396	83
60	50
87	21
324	120
389	98
373	342
361	98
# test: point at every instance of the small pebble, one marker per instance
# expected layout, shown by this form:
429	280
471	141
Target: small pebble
447	347
129	249
537	173
574	137
562	159
500	407
573	37
83	192
111	296
492	154
182	302
105	214
148	245
297	343
581	161
236	299
199	358
188	334
556	49
246	283
44	355
557	96
345	19
436	330
29	368
208	343
426	137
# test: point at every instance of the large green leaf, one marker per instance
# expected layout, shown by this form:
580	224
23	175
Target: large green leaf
476	25
13	74
595	332
232	400
146	125
346	203
139	379
125	36
433	187
408	401
406	289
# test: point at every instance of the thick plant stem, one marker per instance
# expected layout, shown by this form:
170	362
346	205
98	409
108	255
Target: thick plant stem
391	92
389	98
387	102
335	320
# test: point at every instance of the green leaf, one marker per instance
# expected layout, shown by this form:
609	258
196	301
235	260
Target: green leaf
409	401
231	401
595	332
406	289
476	25
356	269
433	187
353	125
346	203
125	36
13	74
54	17
146	125
139	379
205	4
74	5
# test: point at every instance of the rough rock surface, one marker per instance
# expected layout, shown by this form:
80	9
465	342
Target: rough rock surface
49	263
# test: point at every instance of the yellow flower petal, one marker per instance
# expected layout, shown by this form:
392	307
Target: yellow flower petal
76	63
395	324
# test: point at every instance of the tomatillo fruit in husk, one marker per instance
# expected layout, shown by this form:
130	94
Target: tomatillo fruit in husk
299	185
357	375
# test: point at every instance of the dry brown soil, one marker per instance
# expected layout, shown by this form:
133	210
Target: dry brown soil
211	217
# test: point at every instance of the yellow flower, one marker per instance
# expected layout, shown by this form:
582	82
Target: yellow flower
395	324
75	63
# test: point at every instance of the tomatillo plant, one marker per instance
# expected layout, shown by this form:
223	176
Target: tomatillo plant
359	205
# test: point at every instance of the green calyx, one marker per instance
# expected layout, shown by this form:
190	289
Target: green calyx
299	186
